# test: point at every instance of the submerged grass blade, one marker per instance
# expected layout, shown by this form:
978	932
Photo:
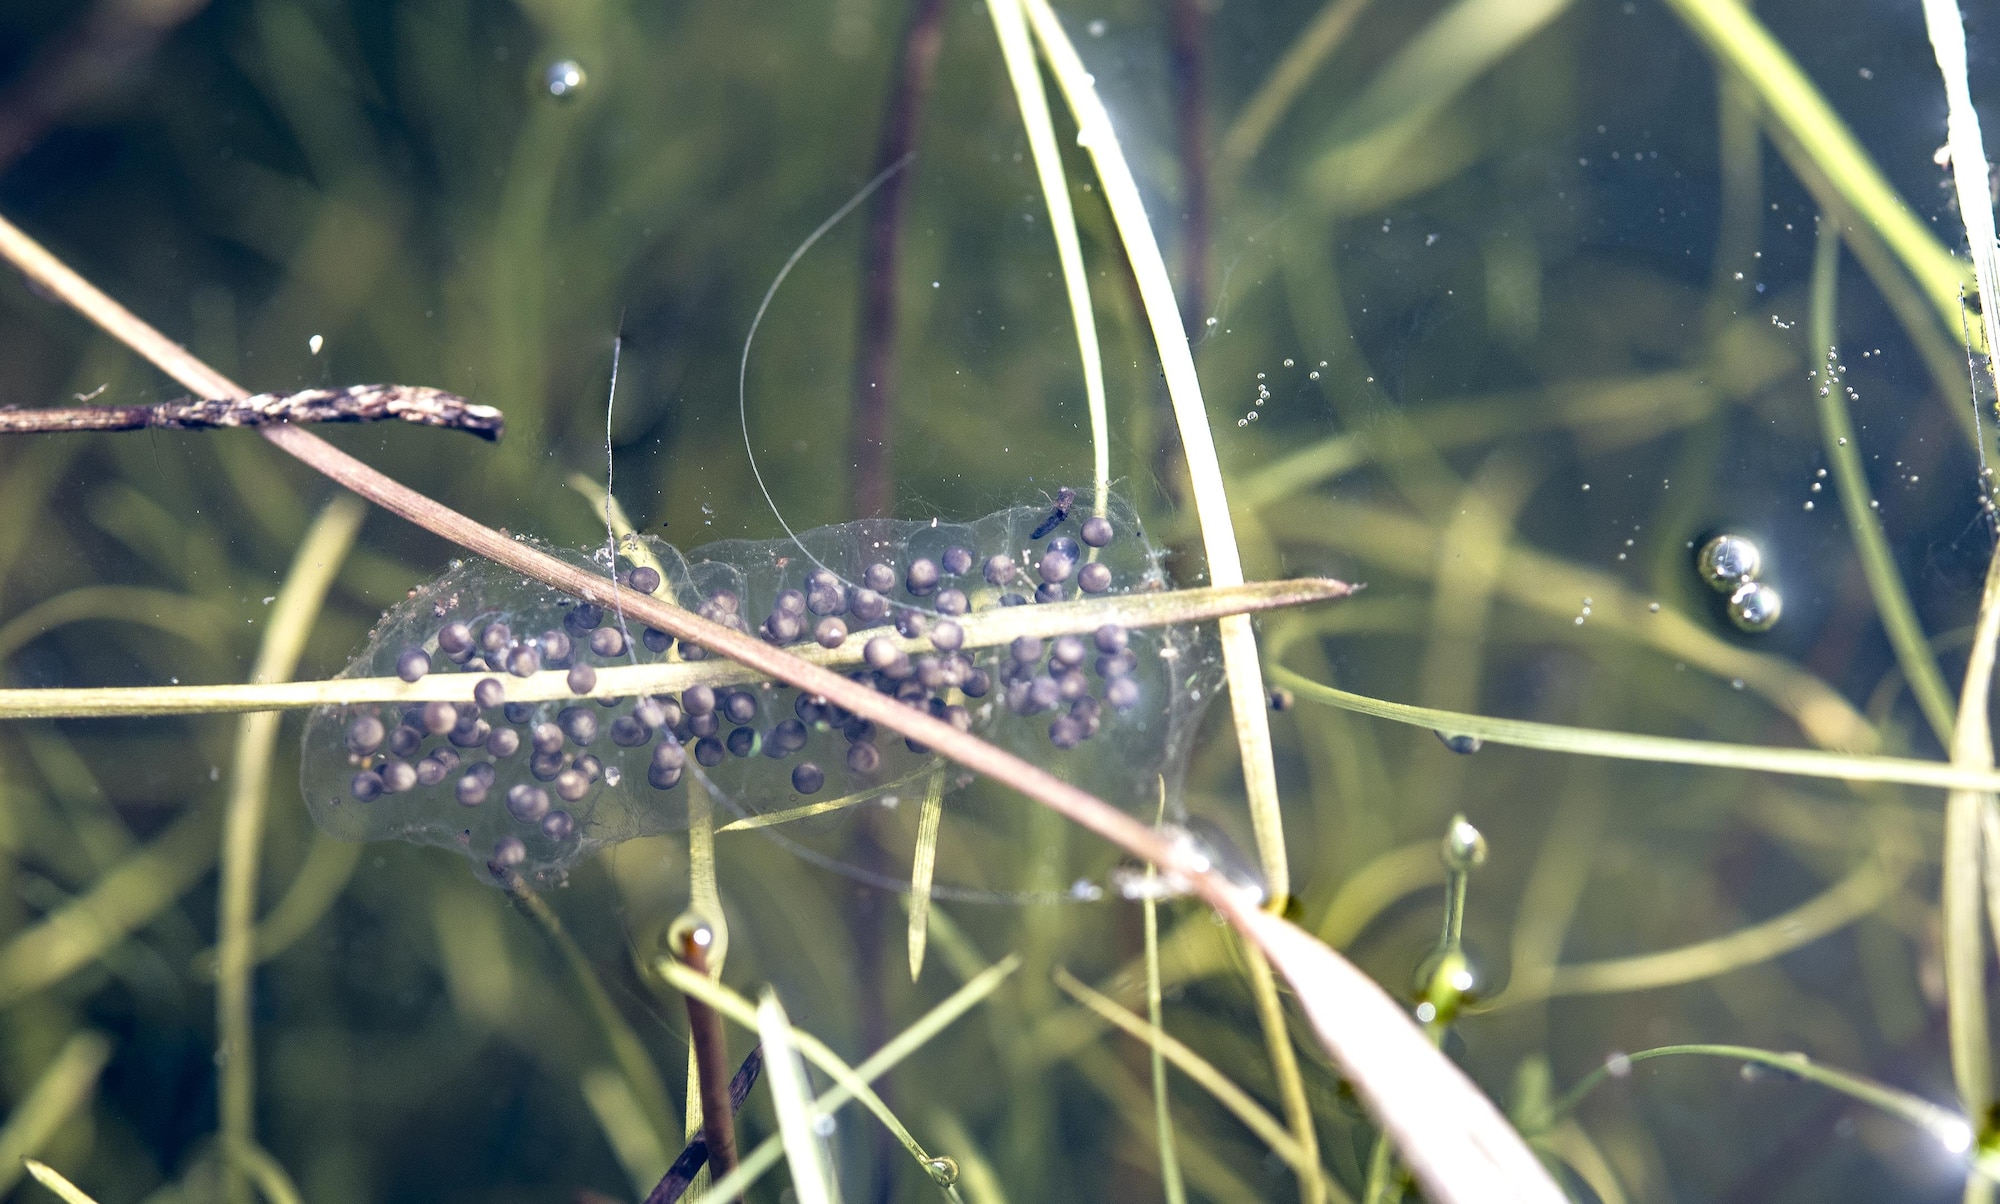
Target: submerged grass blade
1274	97
1854	896
52	1179
1285	1069
265	1171
1672	750
297	608
1304	1163
773	818
196	620
1163	1124
923	867
791	1098
63	1087
1871	543
1949	1128
1964	941
131	895
848	1083
1733	33
1218	533
627	1051
1969	169
986	629
1019	53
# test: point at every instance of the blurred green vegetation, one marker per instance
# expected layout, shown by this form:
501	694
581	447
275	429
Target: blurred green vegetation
1527	286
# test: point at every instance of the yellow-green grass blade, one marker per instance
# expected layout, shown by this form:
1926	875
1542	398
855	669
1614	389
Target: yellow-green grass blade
990	628
1671	750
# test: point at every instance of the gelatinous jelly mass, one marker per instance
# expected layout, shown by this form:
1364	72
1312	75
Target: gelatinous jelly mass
535	785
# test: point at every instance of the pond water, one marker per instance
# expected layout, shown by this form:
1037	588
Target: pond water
1514	311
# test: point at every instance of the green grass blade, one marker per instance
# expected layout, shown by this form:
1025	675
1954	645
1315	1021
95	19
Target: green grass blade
923	867
1854	896
986	629
1948	1127
52	1179
1218	533
1857	504
1019	52
791	1096
851	1082
318	560
1733	33
1672	750
63	1087
1232	1097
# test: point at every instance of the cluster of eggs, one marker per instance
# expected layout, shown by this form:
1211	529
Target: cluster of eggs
567	773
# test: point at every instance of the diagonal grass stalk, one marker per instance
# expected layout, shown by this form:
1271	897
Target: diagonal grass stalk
791	1098
1950	1129
53	1179
642	1078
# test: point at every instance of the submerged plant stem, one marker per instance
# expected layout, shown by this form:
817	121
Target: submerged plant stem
923	867
1629	746
314	567
1964	940
642	1078
986	629
1871	543
1733	33
1018	51
1218	532
711	1058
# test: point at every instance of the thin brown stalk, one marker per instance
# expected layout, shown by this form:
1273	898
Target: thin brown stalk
356	403
875	368
1456	1142
1187	53
680	1176
711	1057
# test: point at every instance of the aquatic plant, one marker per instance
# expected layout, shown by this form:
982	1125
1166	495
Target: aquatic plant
1481	380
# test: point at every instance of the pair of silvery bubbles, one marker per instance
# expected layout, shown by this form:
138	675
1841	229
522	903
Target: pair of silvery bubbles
1731	565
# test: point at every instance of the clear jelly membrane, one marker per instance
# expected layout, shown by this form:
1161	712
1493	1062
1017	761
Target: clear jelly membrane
536	785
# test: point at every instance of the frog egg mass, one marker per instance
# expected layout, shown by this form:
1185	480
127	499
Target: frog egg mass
534	784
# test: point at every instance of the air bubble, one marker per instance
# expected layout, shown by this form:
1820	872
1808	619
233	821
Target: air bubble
1727	561
564	79
1755	607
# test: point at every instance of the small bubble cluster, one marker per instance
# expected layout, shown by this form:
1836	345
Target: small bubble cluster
531	784
1731	564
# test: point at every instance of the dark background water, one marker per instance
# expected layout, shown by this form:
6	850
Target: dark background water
396	181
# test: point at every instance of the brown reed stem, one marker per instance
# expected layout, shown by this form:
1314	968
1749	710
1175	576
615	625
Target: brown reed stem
876	371
680	1176
711	1058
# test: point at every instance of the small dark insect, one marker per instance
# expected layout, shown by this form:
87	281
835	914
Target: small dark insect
1065	498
